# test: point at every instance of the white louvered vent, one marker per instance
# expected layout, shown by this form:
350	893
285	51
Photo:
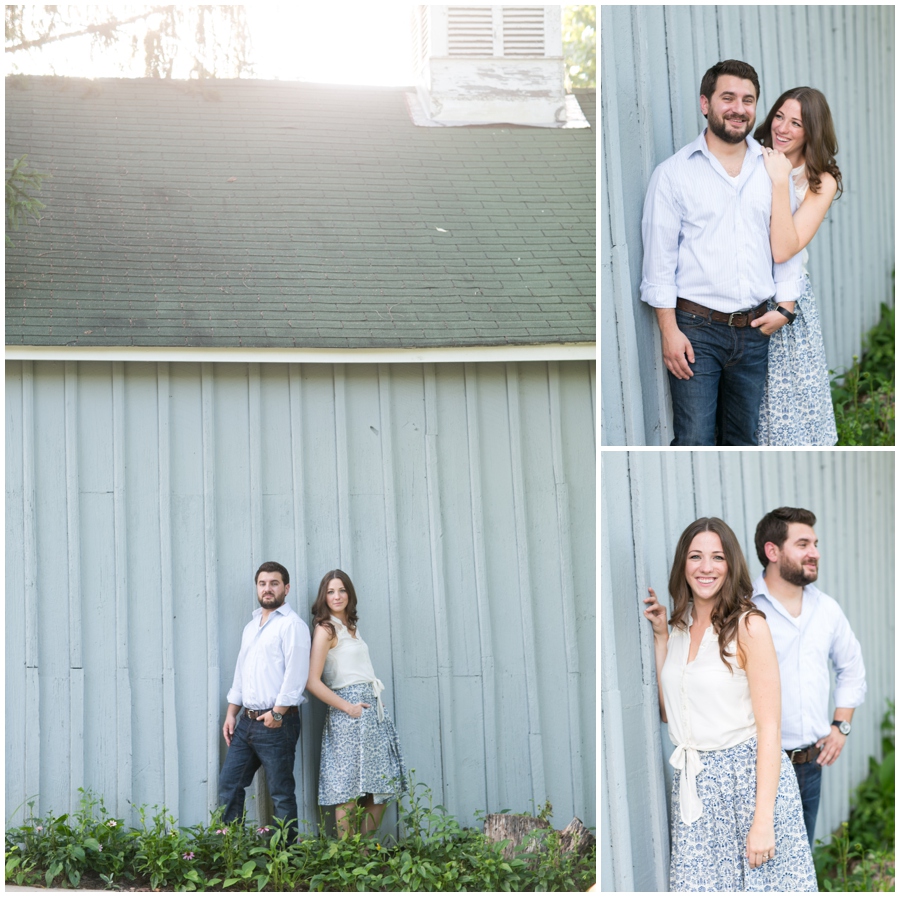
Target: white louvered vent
470	31
523	31
490	64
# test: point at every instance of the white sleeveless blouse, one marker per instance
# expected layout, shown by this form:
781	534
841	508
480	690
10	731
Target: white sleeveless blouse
348	663
801	185
708	708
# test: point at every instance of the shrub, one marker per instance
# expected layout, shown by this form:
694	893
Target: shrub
433	853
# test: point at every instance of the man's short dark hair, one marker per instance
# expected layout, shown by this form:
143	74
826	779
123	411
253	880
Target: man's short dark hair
774	528
273	567
728	67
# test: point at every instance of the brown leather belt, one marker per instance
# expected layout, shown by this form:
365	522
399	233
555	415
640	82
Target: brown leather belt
804	755
255	714
735	319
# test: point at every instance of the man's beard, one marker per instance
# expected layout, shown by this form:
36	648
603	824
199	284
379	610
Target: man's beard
270	602
718	127
796	575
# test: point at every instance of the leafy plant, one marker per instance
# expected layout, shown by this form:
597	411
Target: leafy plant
433	853
863	396
860	856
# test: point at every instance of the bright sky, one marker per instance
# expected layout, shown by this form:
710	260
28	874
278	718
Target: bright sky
333	42
342	43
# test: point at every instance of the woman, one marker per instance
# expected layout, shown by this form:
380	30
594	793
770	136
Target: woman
361	764
798	143
737	820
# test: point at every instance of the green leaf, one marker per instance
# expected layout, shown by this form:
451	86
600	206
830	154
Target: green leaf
229	882
92	844
248	869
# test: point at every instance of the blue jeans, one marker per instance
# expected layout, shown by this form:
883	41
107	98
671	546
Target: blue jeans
727	387
254	745
809	778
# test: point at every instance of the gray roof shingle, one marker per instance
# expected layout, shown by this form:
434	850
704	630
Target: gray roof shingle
274	214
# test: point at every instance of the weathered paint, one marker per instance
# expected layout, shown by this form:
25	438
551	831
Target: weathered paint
648	498
142	496
652	60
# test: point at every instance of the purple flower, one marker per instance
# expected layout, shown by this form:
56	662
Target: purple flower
262	830
100	848
39	828
188	856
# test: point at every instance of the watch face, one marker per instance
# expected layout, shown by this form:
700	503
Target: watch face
845	728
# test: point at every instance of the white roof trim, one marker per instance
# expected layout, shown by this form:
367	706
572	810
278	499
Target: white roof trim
447	354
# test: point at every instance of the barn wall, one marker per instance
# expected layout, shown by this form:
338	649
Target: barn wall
141	497
647	499
652	59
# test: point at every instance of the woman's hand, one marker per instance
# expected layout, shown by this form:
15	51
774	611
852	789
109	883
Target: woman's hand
778	166
656	614
760	843
356	710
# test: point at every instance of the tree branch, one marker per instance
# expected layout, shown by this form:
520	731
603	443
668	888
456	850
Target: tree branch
101	28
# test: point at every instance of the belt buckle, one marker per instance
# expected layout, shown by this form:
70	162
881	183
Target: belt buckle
796	751
731	317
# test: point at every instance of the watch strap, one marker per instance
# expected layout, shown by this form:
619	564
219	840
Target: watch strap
791	316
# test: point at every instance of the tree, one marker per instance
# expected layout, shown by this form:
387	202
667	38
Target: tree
21	204
149	41
579	35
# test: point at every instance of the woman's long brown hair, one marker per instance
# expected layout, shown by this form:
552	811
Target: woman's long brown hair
734	598
821	141
322	612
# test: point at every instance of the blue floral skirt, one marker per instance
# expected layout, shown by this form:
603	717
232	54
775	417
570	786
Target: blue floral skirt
708	854
359	756
796	408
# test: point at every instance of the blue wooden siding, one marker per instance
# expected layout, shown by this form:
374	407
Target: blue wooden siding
652	59
141	497
647	499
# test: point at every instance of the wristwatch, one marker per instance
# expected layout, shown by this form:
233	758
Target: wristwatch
277	716
788	314
842	725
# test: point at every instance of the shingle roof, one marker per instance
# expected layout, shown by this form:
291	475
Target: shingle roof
274	214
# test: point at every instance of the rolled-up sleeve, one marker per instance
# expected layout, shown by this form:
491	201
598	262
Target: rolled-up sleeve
295	643
849	671
789	279
660	229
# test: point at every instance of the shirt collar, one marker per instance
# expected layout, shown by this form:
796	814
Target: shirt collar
284	609
700	145
761	590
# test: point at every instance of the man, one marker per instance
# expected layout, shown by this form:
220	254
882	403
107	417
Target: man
807	627
708	268
262	723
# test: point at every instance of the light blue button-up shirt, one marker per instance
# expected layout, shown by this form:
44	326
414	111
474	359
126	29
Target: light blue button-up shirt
706	234
273	663
804	646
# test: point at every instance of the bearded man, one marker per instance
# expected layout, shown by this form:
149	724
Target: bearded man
808	628
708	268
262	723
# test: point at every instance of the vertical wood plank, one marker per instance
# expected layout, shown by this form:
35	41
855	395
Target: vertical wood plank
435	536
567	589
124	703
73	534
214	708
170	723
343	475
32	670
536	750
485	634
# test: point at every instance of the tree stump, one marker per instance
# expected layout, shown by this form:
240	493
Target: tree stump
576	836
515	830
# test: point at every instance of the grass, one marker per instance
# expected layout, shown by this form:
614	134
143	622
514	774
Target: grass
435	853
863	396
860	856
